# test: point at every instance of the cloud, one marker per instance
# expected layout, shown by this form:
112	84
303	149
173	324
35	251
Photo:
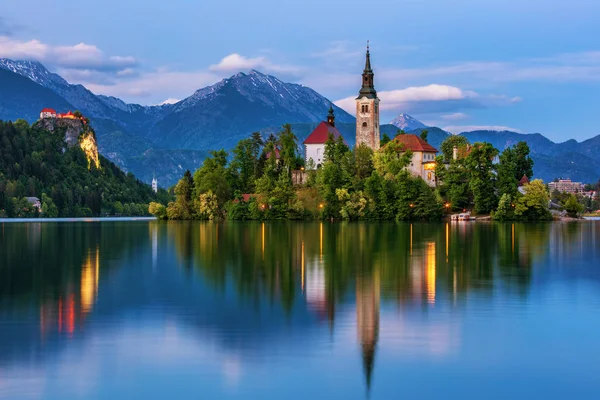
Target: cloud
431	99
566	67
148	87
455	116
236	63
79	56
170	100
339	50
469	128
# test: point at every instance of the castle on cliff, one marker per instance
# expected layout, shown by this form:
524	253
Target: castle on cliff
51	113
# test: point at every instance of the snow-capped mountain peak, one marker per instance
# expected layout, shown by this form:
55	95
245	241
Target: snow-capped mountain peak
407	123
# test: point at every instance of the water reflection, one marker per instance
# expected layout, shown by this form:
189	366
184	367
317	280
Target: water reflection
254	291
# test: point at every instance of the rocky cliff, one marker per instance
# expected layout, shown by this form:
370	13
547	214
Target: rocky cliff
76	133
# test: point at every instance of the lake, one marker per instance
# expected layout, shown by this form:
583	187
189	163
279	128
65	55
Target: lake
159	310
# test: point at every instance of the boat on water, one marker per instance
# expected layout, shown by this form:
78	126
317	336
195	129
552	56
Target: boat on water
462	217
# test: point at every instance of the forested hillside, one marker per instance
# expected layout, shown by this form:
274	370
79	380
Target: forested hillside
35	162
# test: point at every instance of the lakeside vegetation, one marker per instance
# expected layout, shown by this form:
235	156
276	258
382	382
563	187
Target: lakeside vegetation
35	162
255	183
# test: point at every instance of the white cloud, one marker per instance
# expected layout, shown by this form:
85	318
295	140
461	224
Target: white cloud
170	100
236	63
157	84
78	56
455	116
469	128
405	99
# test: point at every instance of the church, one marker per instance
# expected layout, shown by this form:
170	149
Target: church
368	133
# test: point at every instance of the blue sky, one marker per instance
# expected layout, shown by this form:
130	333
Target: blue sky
530	65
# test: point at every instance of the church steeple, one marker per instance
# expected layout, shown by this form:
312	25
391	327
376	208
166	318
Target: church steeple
368	87
331	116
367	109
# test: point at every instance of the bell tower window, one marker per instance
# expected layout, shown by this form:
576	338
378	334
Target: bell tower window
364	124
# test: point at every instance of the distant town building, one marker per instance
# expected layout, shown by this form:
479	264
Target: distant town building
367	109
35	202
423	161
566	186
314	145
154	185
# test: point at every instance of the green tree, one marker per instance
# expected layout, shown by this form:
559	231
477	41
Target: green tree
533	205
49	209
505	211
424	134
452	141
483	179
572	206
524	163
507	172
158	210
385	139
214	177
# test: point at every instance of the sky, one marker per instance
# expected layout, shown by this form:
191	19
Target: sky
525	65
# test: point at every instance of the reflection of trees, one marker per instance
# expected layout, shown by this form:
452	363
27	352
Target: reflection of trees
40	260
412	260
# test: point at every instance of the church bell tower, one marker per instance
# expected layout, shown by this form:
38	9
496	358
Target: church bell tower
367	109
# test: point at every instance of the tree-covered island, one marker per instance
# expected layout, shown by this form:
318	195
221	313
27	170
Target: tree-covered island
269	180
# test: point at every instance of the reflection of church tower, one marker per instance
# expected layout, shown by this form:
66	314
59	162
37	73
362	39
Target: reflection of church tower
367	109
367	320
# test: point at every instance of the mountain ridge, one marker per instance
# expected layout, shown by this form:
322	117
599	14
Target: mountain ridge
175	137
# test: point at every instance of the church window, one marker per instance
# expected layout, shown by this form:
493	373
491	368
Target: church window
429	176
366	108
364	125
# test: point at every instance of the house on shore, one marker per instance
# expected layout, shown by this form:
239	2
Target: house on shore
423	160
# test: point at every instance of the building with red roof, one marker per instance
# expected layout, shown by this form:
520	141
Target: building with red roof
423	161
314	144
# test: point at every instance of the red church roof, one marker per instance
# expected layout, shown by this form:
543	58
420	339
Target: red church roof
321	134
415	143
50	110
524	180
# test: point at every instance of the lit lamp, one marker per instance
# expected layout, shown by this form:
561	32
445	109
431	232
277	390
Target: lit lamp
321	205
411	205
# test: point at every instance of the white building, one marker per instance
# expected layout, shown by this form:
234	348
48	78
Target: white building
154	185
314	145
566	186
48	113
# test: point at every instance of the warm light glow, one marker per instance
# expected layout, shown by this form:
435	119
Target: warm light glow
321	205
321	240
513	238
89	147
429	166
263	240
447	205
411	205
89	282
430	275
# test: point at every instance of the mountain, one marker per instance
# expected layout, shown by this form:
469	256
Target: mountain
221	114
408	123
22	98
165	140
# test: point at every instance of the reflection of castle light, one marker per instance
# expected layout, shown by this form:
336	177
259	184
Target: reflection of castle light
430	276
89	281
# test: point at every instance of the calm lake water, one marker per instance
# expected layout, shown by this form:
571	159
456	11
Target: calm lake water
156	310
